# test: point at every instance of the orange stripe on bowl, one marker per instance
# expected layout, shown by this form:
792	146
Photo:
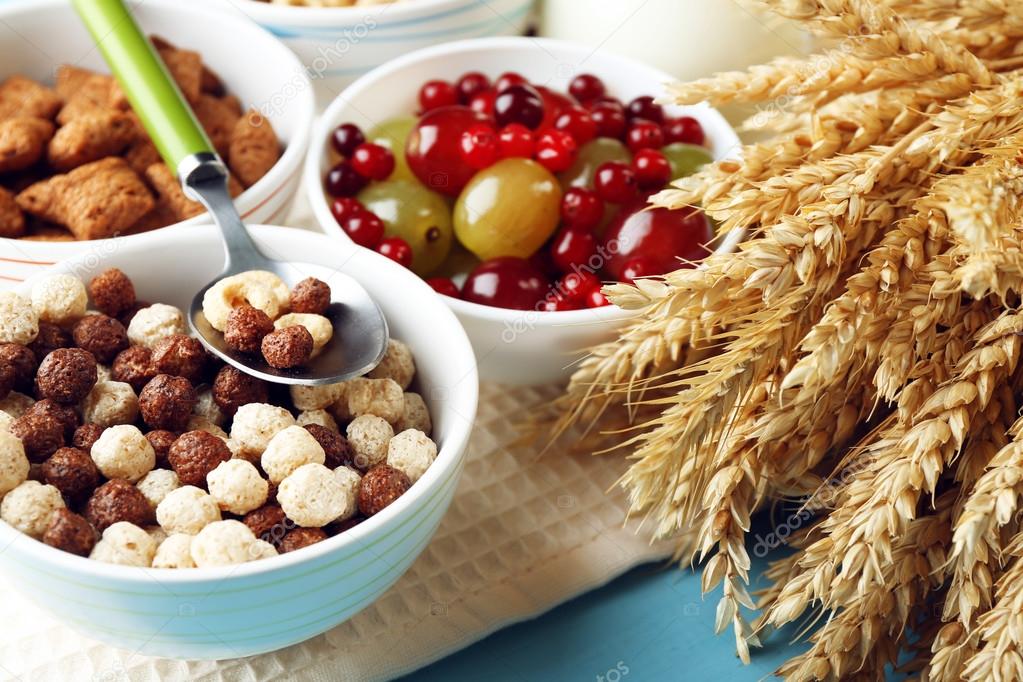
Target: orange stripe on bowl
270	196
27	262
12	279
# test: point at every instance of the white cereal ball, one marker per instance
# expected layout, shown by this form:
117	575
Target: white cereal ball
288	450
223	543
126	544
415	415
383	398
103	373
261	549
413	452
187	510
318	326
122	451
110	403
233	446
157	484
369	436
60	299
397	365
15	404
350	480
156	322
28	507
19	323
237	486
319	417
6	420
312	496
199	423
174	552
255	424
13	462
315	397
206	407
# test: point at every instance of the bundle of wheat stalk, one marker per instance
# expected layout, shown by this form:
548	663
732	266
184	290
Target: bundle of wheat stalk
859	352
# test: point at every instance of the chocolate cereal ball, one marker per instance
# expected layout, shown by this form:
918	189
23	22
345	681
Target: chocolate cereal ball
288	347
101	335
118	500
8	377
310	296
86	436
161	440
134	366
381	486
335	446
50	338
166	402
112	292
246	327
195	454
181	356
268	523
65	414
301	537
66	375
22	362
233	388
40	434
70	532
72	472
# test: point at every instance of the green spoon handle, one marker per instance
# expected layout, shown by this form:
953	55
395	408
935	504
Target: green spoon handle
146	82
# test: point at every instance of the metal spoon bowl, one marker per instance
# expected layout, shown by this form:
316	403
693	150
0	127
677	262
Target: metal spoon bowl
360	330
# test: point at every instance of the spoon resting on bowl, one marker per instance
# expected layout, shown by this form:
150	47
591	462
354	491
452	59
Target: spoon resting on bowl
360	330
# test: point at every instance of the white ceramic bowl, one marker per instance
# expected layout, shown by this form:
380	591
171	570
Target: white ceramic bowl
511	346
264	605
36	36
339	44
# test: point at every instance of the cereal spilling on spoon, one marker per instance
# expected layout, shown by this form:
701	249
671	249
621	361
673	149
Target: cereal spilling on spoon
123	440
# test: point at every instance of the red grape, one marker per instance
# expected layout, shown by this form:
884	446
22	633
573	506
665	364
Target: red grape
433	150
573	248
658	236
506	283
444	286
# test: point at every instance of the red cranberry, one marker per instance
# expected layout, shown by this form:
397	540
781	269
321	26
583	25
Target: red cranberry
434	152
506	283
373	161
344	181
542	261
578	123
479	146
582	208
555	303
397	249
646	108
576	285
638	267
556	150
364	228
609	118
519	104
345	138
596	299
508	79
573	248
470	85
644	135
483	102
443	286
683	129
586	87
659	236
553	103
342	207
615	182
652	169
437	94
515	140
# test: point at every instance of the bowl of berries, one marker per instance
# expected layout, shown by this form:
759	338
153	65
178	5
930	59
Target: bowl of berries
512	174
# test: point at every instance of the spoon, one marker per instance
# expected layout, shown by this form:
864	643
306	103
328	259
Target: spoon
360	330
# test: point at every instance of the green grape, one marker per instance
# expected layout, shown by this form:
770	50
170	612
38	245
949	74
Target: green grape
591	155
458	262
686	159
508	209
393	134
417	215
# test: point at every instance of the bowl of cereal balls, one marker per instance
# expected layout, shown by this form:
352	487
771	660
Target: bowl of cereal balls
159	500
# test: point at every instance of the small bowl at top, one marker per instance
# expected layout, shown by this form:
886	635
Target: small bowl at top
512	346
37	36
